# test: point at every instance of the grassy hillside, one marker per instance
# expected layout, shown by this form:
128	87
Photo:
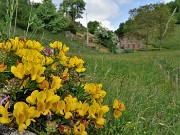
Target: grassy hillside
141	81
147	82
171	42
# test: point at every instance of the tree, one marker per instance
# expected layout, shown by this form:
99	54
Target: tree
120	30
92	26
164	22
149	20
73	8
105	37
46	12
175	4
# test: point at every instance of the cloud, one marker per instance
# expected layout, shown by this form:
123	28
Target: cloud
36	1
100	10
166	1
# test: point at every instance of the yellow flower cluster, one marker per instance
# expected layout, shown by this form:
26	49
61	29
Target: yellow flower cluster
68	62
118	108
95	90
51	93
4	115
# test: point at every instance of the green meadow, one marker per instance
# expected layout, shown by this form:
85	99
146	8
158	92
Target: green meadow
147	82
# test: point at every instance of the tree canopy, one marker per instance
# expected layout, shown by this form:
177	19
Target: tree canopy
73	8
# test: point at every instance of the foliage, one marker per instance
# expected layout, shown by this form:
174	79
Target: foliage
173	5
148	21
72	28
46	12
58	24
73	8
44	90
93	26
105	37
120	30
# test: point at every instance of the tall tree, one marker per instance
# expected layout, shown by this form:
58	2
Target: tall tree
92	26
46	12
120	30
149	20
73	8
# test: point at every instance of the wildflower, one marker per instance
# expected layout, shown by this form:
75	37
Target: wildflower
2	67
80	130
18	71
65	74
49	60
54	66
4	115
118	108
36	72
56	82
4	100
48	51
84	108
24	115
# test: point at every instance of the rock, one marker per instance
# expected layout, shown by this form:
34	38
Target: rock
20	133
5	130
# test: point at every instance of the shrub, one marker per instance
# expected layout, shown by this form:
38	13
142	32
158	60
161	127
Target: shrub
43	89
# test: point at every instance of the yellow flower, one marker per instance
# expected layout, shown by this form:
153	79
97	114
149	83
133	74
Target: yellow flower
43	100
32	99
24	115
117	113
43	85
18	71
84	109
65	48
4	115
118	105
2	67
79	130
56	82
65	74
36	72
56	44
54	66
58	107
49	60
118	108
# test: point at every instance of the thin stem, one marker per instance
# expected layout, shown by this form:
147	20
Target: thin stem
15	18
37	132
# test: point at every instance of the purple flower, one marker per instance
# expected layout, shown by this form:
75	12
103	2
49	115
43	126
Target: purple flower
48	51
4	100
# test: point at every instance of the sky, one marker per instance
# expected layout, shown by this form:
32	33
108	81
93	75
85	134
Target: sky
109	12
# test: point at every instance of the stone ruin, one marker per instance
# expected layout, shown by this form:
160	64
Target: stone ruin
129	43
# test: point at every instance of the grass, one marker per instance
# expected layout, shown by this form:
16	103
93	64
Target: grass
140	80
171	41
144	81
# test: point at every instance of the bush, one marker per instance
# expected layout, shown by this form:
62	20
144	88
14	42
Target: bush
58	24
44	90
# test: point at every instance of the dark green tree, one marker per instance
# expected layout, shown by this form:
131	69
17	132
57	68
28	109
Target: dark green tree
73	8
92	26
46	12
120	30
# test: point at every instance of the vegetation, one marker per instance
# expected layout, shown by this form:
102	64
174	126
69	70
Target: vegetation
93	26
147	82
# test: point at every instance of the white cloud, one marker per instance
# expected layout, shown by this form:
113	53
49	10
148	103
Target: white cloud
166	1
100	10
36	1
107	24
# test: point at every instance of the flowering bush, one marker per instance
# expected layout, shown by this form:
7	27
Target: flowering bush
42	89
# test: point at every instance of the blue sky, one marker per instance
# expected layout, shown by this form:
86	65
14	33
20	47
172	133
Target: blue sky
109	12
